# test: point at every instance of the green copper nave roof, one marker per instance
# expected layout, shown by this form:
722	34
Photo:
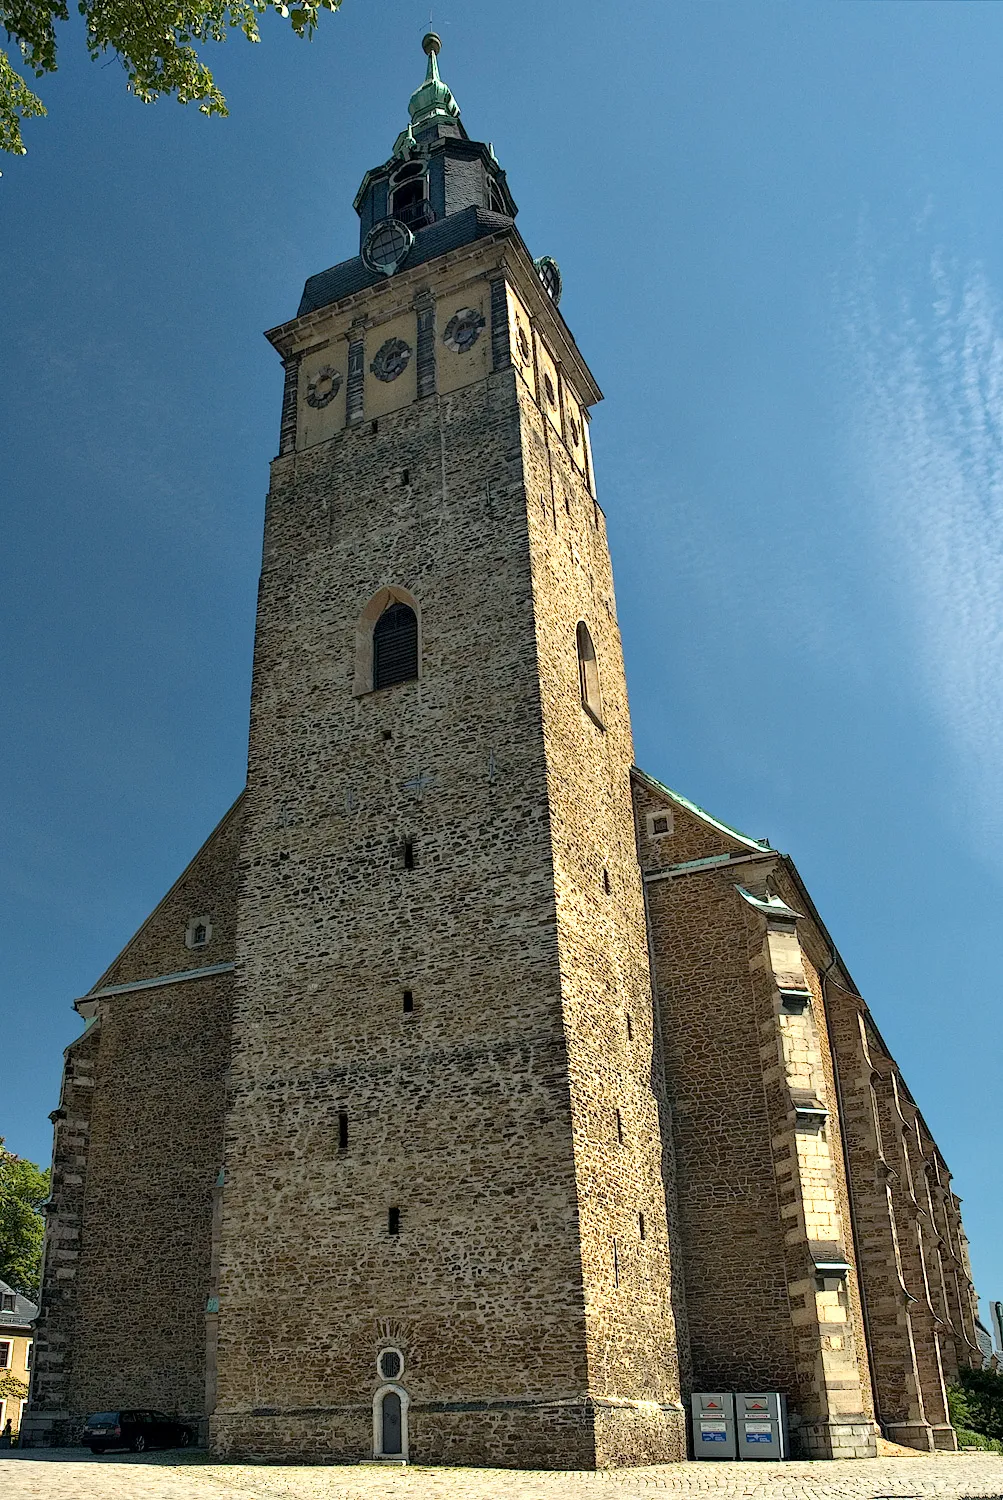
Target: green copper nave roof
701	812
433	99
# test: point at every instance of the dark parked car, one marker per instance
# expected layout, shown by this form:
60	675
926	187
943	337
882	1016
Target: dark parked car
136	1429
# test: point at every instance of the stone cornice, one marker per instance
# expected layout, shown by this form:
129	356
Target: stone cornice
181	976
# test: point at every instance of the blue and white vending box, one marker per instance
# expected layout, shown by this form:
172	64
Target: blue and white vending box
761	1423
713	1424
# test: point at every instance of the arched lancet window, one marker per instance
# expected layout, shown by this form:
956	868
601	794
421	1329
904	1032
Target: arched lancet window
395	646
588	672
388	640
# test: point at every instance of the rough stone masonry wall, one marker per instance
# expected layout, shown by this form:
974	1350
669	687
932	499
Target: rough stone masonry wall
894	1371
616	1084
917	1288
58	1344
833	1381
738	1311
131	1240
761	1190
457	1113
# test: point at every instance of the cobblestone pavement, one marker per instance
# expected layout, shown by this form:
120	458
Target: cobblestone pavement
70	1474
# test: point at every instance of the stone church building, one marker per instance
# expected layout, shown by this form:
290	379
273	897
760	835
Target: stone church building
472	1097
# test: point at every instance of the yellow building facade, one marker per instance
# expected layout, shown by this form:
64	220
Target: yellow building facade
17	1336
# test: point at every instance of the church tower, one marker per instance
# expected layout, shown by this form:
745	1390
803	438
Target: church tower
364	1151
442	1230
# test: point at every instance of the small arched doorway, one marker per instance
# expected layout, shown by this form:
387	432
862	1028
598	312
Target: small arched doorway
390	1422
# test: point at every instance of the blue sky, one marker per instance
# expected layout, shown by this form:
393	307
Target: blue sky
780	232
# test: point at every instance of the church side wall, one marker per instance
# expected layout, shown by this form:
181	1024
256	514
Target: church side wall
764	1208
918	1291
156	1139
897	1387
738	1308
138	1146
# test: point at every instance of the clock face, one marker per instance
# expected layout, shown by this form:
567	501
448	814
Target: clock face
391	359
463	330
323	388
386	246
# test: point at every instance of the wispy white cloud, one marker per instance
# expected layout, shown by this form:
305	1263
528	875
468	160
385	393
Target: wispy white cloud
927	431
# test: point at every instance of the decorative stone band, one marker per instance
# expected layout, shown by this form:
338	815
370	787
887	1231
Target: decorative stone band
712	862
151	984
572	1403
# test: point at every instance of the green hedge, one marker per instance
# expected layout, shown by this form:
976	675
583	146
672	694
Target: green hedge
968	1439
976	1408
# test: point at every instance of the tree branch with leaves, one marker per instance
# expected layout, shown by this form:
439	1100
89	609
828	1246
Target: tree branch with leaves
156	42
23	1189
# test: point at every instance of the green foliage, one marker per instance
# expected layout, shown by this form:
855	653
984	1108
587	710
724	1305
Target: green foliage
10	1386
976	1407
23	1189
957	1408
154	40
968	1439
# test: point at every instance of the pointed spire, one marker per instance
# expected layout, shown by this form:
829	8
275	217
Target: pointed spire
433	99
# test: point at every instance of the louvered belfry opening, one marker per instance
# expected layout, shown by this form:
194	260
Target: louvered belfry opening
395	646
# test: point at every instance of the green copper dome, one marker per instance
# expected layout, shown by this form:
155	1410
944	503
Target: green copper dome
433	99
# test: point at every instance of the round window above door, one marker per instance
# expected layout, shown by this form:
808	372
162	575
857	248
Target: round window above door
390	1364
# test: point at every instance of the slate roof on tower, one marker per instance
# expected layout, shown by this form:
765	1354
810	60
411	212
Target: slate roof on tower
446	189
354	275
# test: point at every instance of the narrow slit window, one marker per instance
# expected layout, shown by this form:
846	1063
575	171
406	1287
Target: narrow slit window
630	1028
395	646
409	853
619	1127
393	1221
607	887
343	1130
640	1226
408	1002
616	1264
405	476
588	672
